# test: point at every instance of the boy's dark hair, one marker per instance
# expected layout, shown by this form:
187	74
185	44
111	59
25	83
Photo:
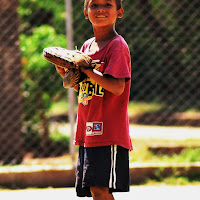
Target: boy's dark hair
118	2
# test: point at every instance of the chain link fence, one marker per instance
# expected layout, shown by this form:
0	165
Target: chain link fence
164	40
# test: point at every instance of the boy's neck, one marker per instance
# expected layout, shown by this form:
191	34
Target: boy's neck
103	34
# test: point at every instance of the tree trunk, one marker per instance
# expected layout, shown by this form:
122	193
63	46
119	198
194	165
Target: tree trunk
11	141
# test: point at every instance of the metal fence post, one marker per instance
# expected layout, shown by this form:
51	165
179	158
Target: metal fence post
71	99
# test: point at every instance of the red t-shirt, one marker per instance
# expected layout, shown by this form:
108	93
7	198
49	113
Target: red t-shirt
102	116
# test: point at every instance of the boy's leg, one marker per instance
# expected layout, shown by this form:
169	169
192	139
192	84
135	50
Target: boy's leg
101	171
81	192
101	193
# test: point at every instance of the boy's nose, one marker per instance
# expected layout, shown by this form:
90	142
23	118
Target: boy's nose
100	8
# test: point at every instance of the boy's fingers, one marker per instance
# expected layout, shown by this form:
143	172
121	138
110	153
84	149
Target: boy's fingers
60	69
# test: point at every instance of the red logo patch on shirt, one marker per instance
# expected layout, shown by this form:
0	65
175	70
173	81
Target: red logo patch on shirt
94	128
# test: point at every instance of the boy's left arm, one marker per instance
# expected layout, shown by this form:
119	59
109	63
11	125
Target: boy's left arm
108	82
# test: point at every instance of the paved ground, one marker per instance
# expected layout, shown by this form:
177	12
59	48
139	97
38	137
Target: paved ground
136	193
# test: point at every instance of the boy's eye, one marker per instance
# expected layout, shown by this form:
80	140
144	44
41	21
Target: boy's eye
108	5
94	5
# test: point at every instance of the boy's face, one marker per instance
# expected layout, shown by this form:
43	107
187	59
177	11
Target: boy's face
103	12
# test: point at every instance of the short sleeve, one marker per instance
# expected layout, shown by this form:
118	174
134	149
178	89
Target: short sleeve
119	64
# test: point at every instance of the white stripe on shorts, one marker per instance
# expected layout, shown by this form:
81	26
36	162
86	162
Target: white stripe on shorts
113	176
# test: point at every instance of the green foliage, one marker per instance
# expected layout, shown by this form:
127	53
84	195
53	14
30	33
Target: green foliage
51	12
37	72
58	137
32	47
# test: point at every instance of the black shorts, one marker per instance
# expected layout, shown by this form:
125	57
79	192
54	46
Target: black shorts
106	166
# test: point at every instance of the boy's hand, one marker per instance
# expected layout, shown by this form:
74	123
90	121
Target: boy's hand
60	70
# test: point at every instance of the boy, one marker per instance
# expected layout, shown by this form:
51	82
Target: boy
102	120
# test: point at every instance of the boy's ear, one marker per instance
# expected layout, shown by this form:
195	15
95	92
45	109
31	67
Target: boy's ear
120	13
86	14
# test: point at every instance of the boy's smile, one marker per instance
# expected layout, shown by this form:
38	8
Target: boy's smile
101	16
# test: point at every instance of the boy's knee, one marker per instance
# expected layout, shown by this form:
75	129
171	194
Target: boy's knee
99	191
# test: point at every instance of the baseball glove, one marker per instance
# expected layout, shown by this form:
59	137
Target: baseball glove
67	58
71	60
73	77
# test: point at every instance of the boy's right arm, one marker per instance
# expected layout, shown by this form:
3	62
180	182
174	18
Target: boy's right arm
108	82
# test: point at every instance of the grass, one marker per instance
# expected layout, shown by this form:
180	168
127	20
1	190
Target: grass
136	108
57	136
173	180
141	152
58	108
